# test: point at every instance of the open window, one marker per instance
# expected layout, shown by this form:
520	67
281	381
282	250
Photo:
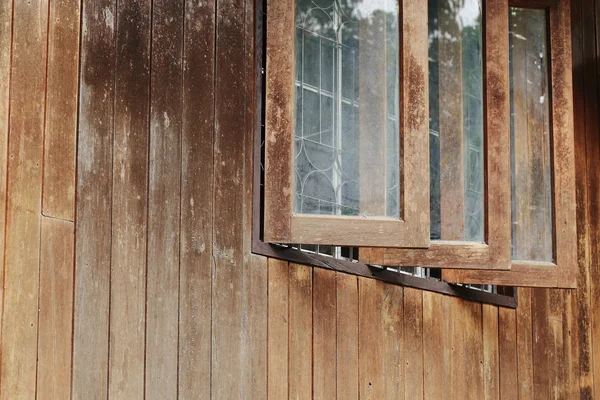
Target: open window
542	151
426	133
346	123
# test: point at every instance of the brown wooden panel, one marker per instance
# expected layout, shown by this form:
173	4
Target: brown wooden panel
278	328
347	336
300	332
228	196
507	348
254	298
56	309
93	215
370	368
5	59
413	343
524	344
129	211
433	351
583	340
393	338
491	372
195	276
473	350
324	334
23	207
544	345
60	140
162	305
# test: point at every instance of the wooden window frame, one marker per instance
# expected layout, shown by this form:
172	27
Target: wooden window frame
495	253
281	225
563	272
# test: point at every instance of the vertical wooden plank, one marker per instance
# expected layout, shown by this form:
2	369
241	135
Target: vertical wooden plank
347	337
413	343
162	305
433	351
473	350
544	350
227	307
195	276
525	344
592	125
370	349
278	328
129	212
61	110
393	340
459	377
324	334
56	310
507	350
570	344
6	23
254	291
491	372
24	197
300	332
94	187
582	305
448	344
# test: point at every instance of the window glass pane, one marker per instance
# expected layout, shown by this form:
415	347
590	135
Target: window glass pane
530	136
456	120
347	148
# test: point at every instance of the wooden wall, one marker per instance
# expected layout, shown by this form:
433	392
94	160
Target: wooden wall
125	186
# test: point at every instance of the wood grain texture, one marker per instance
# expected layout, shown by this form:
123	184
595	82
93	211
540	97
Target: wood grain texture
60	140
6	23
130	198
300	332
278	328
23	206
347	337
491	372
227	301
525	344
433	351
94	205
393	335
507	348
371	381
164	190
197	139
413	344
324	334
56	309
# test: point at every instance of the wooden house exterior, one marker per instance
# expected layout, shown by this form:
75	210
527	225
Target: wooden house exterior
127	132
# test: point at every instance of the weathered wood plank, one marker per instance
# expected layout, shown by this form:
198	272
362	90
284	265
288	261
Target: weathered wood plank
24	197
524	344
582	315
370	350
227	306
61	110
324	334
300	332
197	178
507	350
254	291
413	343
93	208
491	372
347	337
278	328
56	309
473	350
129	212
544	350
162	305
5	59
393	337
433	351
